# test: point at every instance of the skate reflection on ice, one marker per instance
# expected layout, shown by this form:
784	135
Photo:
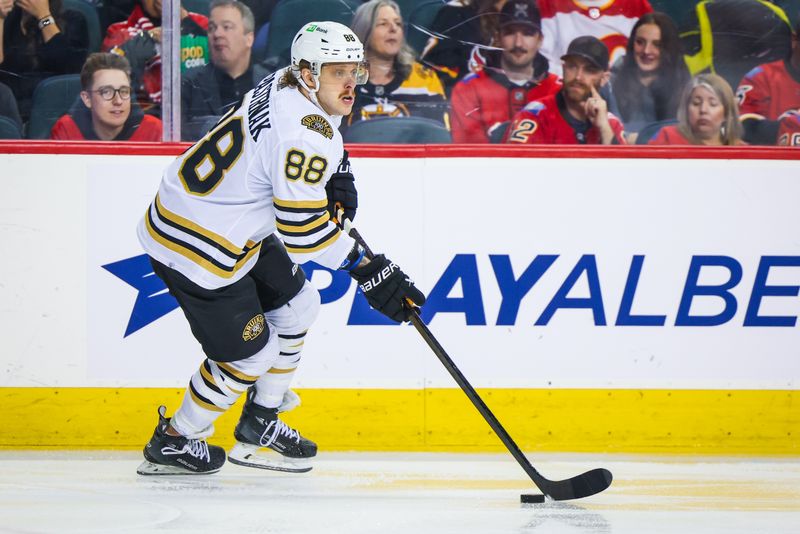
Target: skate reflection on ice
577	518
183	483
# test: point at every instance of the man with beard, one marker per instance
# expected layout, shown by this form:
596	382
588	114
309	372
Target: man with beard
577	114
511	78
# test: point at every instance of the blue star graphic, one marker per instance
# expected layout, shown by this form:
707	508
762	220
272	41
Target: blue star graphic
153	300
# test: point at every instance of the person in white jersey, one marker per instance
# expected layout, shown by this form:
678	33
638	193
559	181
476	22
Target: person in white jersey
274	163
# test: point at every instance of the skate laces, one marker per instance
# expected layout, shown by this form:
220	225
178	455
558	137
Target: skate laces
276	428
196	448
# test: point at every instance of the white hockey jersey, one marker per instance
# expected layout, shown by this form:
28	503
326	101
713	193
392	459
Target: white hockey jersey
262	168
611	21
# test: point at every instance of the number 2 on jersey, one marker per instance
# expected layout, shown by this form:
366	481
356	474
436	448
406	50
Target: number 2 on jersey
205	167
311	171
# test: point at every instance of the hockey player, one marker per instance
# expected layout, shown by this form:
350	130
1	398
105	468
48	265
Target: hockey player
576	114
269	164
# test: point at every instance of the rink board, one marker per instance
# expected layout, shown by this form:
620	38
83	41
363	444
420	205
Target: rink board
599	303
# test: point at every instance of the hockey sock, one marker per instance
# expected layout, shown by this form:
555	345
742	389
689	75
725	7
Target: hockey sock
271	386
216	386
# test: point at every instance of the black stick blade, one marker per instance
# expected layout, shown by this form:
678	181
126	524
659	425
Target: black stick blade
577	487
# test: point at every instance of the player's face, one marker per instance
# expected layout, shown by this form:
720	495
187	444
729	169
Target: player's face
579	77
113	113
706	113
337	86
520	45
228	41
386	38
647	48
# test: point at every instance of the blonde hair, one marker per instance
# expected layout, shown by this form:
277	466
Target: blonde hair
731	130
289	78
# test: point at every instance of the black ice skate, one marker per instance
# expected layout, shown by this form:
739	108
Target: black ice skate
260	435
177	455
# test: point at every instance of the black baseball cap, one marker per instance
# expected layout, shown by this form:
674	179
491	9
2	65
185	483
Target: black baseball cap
521	13
591	49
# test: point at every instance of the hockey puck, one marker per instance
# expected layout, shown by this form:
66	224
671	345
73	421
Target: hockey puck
531	498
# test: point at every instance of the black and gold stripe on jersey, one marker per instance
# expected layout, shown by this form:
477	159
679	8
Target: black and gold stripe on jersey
305	225
230	258
217	385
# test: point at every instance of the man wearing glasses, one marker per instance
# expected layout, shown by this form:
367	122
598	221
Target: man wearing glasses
104	111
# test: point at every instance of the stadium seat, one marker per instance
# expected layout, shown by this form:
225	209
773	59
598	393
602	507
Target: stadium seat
9	129
52	98
676	9
89	14
290	15
197	6
401	130
649	131
421	17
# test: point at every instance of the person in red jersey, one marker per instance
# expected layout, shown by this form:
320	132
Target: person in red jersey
611	21
513	76
767	92
707	115
104	111
138	39
789	129
576	114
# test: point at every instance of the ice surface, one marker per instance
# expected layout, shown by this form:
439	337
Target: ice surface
93	492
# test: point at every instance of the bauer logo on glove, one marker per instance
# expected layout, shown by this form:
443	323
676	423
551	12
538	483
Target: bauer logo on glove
378	278
387	288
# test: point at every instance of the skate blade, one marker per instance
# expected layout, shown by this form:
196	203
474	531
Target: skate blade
149	468
262	458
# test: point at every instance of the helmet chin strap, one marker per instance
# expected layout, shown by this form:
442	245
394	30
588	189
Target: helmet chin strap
312	93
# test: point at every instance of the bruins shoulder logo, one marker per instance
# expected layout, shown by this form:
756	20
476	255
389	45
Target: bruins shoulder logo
254	327
317	123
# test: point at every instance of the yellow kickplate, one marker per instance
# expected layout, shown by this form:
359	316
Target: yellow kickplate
580	420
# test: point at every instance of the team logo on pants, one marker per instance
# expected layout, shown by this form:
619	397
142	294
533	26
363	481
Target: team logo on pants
254	327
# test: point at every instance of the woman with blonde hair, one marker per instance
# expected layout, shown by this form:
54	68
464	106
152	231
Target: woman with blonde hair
707	115
398	86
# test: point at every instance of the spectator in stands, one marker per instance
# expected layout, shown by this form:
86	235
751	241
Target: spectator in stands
139	38
648	83
8	105
262	14
460	25
707	115
104	111
789	129
37	40
512	77
609	20
576	114
211	90
768	94
398	86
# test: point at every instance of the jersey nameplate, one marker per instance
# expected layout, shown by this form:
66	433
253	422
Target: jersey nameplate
317	123
258	111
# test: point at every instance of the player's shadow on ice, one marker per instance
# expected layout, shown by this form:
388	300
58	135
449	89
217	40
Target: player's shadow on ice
573	516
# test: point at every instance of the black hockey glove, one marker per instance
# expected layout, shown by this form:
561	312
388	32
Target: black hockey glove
341	188
387	287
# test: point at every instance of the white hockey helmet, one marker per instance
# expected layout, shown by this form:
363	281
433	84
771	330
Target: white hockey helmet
328	42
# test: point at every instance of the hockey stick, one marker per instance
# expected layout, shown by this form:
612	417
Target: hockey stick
577	487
